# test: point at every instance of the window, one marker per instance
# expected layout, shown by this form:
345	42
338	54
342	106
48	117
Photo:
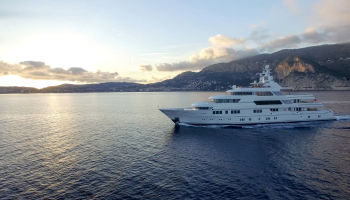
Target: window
201	108
308	116
217	112
277	93
235	111
250	119
297	109
225	100
257	111
319	116
240	93
286	101
307	100
226	112
275	118
220	112
267	118
242	119
271	102
213	112
263	94
274	109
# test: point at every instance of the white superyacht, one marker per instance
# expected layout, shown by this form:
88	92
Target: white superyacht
261	103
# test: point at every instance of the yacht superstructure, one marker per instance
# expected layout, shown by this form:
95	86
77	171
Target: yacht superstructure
261	103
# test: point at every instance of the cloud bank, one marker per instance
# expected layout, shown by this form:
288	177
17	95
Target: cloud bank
36	70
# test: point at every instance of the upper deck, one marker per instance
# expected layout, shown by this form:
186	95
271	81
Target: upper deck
266	83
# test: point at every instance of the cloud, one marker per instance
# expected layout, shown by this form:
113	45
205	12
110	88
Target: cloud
332	12
333	19
292	6
154	79
34	65
221	40
314	36
257	25
290	41
259	36
40	71
331	24
221	51
207	56
145	68
76	70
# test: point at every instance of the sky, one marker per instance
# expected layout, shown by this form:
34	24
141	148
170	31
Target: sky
45	43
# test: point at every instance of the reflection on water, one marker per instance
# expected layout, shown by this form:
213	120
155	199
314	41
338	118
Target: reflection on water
118	145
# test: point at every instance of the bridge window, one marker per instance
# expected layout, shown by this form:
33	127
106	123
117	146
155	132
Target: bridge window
271	102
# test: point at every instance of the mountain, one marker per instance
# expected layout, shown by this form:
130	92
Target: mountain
325	67
13	89
100	87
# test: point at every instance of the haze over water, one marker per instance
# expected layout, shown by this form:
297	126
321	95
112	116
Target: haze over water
119	146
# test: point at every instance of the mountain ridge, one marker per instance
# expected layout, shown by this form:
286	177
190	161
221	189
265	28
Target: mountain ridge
323	67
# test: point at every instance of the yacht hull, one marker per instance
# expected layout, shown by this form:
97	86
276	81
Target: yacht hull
199	117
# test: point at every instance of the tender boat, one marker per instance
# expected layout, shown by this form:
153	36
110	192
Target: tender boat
261	103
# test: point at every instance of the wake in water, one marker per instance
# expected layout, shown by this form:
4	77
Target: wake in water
333	102
343	117
260	126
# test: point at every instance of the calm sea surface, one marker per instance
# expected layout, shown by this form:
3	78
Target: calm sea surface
119	146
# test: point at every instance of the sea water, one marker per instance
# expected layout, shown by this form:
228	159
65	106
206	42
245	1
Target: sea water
119	146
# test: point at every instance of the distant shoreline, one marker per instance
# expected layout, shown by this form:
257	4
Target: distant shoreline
160	91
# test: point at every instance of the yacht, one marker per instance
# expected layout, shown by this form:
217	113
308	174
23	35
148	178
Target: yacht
261	103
